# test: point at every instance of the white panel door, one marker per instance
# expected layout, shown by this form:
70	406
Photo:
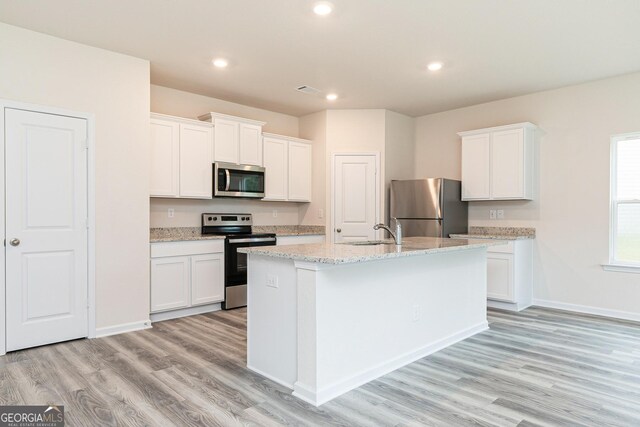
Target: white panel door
165	138
196	158
250	144
354	198
207	278
500	284
46	228
275	163
226	141
170	279
507	164
476	158
299	171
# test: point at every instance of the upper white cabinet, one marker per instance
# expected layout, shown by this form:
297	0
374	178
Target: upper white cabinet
287	161
237	140
181	157
498	163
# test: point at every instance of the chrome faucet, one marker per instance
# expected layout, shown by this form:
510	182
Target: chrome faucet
397	236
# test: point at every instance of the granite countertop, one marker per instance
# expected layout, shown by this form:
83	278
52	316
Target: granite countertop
327	253
176	234
498	233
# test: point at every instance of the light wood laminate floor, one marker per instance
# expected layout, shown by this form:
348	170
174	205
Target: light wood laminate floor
538	367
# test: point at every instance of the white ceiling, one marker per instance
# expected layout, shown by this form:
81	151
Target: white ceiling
372	53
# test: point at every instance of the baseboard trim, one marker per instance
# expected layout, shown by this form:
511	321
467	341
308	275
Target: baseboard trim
271	377
586	309
504	305
184	312
123	328
318	397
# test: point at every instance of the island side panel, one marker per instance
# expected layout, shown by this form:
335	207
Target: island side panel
271	318
367	319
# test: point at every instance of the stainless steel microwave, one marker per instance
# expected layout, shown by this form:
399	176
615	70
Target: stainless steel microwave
231	180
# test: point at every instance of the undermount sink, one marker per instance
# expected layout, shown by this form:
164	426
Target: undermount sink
369	243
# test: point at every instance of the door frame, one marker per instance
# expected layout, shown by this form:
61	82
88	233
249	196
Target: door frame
334	156
91	212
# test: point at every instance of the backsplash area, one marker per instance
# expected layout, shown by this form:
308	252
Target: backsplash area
186	212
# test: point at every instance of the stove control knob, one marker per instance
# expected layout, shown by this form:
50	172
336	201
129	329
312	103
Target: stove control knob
210	218
215	218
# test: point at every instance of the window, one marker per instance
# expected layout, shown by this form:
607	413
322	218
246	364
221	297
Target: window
624	246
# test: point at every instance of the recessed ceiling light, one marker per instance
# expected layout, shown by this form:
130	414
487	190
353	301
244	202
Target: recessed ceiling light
434	66
332	97
322	8
220	62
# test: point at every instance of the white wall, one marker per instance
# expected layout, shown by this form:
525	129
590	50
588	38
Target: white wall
314	128
399	151
571	214
187	212
36	68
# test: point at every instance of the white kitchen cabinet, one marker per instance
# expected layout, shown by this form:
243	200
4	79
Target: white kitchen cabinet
207	278
186	276
299	171
287	161
276	170
181	157
165	158
236	139
510	275
169	283
300	240
498	163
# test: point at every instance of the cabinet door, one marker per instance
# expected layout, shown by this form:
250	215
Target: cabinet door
476	158
226	141
169	283
507	164
500	284
299	172
207	278
250	144
196	152
275	163
165	137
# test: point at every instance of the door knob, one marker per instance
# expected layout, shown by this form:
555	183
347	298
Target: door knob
339	230
14	242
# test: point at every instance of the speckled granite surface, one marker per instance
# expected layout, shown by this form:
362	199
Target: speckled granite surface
327	253
176	234
499	233
290	230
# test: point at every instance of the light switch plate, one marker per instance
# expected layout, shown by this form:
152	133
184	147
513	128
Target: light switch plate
272	280
492	214
500	213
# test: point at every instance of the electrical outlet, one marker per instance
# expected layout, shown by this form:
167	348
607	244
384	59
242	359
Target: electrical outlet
272	280
500	213
320	213
170	213
416	313
275	213
492	214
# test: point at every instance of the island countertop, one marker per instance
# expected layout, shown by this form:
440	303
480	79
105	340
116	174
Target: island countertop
342	253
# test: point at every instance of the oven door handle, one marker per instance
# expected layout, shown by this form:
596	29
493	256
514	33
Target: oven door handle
226	188
253	240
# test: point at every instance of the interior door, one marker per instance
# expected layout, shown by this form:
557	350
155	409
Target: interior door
354	198
46	228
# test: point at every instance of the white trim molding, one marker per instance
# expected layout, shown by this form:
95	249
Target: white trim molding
621	268
184	312
586	309
122	328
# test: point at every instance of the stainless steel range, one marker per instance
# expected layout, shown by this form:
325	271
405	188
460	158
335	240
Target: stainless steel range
237	229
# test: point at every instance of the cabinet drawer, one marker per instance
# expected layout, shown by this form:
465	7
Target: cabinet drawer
506	247
196	247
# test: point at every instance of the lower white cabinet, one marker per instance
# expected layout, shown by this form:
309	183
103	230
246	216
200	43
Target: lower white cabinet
300	240
186	274
510	275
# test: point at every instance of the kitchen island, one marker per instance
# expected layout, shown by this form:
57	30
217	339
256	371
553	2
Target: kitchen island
324	319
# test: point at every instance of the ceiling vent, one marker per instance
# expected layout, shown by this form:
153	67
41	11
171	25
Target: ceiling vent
308	90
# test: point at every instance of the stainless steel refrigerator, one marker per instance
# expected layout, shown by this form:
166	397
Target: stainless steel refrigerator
429	207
